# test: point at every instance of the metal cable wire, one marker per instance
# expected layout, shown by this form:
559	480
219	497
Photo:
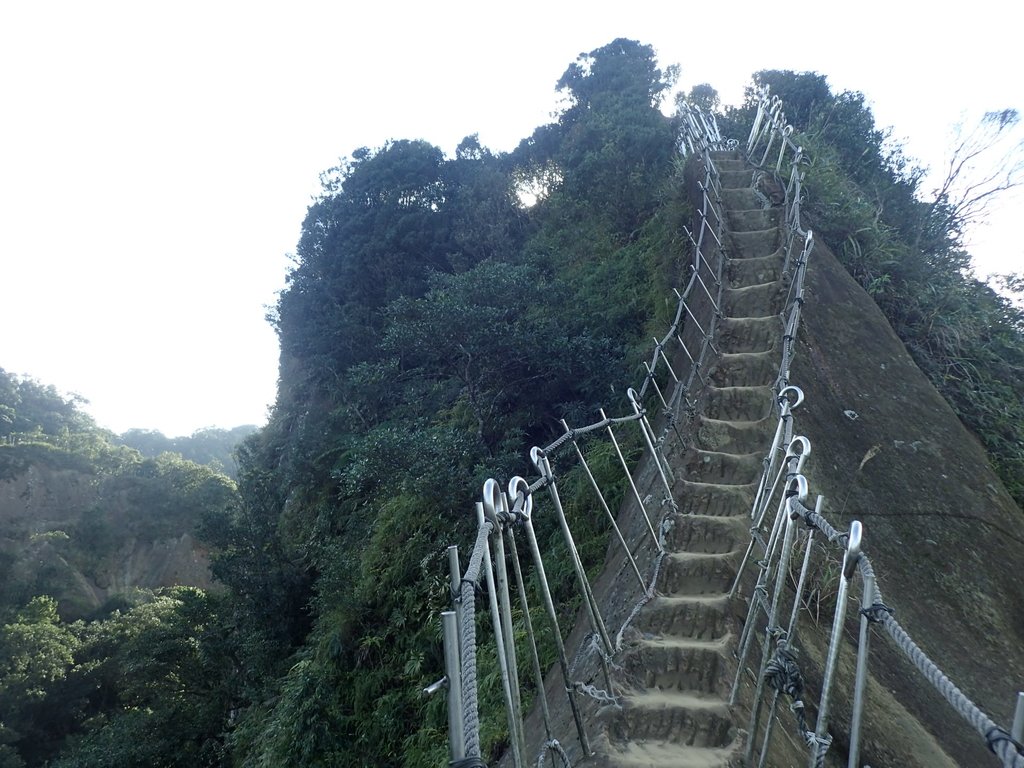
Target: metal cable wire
782	674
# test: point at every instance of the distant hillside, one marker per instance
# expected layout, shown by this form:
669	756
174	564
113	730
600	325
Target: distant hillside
442	315
86	519
212	446
103	601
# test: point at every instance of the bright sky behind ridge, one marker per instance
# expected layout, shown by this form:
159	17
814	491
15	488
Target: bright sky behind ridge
156	160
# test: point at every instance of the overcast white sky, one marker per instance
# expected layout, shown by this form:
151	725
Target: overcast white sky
156	159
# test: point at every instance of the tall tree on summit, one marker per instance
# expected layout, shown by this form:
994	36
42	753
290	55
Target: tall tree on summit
616	141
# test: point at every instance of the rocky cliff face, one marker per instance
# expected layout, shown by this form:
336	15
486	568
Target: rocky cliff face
66	532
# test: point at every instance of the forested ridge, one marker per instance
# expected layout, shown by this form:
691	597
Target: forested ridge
441	316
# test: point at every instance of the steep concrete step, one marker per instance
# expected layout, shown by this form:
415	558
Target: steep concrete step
737	436
706	618
674	667
753	244
656	753
695	498
730	162
696	573
721	467
679	719
740	199
736	179
746	369
742	273
738	403
674	670
752	299
711	535
753	219
748	334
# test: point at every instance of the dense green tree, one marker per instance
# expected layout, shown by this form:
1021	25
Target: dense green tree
36	654
160	680
27	407
616	141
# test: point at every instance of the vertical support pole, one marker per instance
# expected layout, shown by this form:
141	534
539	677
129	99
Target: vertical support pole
494	504
795	491
636	493
453	670
850	558
860	681
644	427
556	633
455	573
654	382
543	465
499	641
1017	731
790	633
515	485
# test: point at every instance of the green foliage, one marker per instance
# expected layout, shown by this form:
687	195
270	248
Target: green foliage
433	330
616	143
161	675
150	686
27	407
211	446
864	199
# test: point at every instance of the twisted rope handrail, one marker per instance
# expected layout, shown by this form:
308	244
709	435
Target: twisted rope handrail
781	478
770	126
505	513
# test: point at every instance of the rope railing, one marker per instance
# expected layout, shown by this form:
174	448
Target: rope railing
672	376
776	536
781	520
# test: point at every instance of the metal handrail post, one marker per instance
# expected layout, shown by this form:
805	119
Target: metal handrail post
455	574
516	485
494	503
850	558
499	640
860	681
453	671
543	465
556	632
1017	731
797	494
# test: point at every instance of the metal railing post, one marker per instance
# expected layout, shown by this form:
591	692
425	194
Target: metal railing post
499	641
850	558
453	671
860	681
1017	731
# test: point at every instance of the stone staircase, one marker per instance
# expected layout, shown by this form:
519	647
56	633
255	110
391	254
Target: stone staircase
677	669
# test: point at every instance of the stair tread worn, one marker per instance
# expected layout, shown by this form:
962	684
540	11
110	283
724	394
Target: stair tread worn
678	650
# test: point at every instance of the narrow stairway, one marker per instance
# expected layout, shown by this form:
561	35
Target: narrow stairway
676	672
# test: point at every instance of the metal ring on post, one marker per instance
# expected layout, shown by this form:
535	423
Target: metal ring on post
796	488
634	398
801	456
853	549
541	462
493	503
519	485
798	396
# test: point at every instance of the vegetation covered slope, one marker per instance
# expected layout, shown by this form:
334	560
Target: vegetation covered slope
433	329
90	655
442	314
905	245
